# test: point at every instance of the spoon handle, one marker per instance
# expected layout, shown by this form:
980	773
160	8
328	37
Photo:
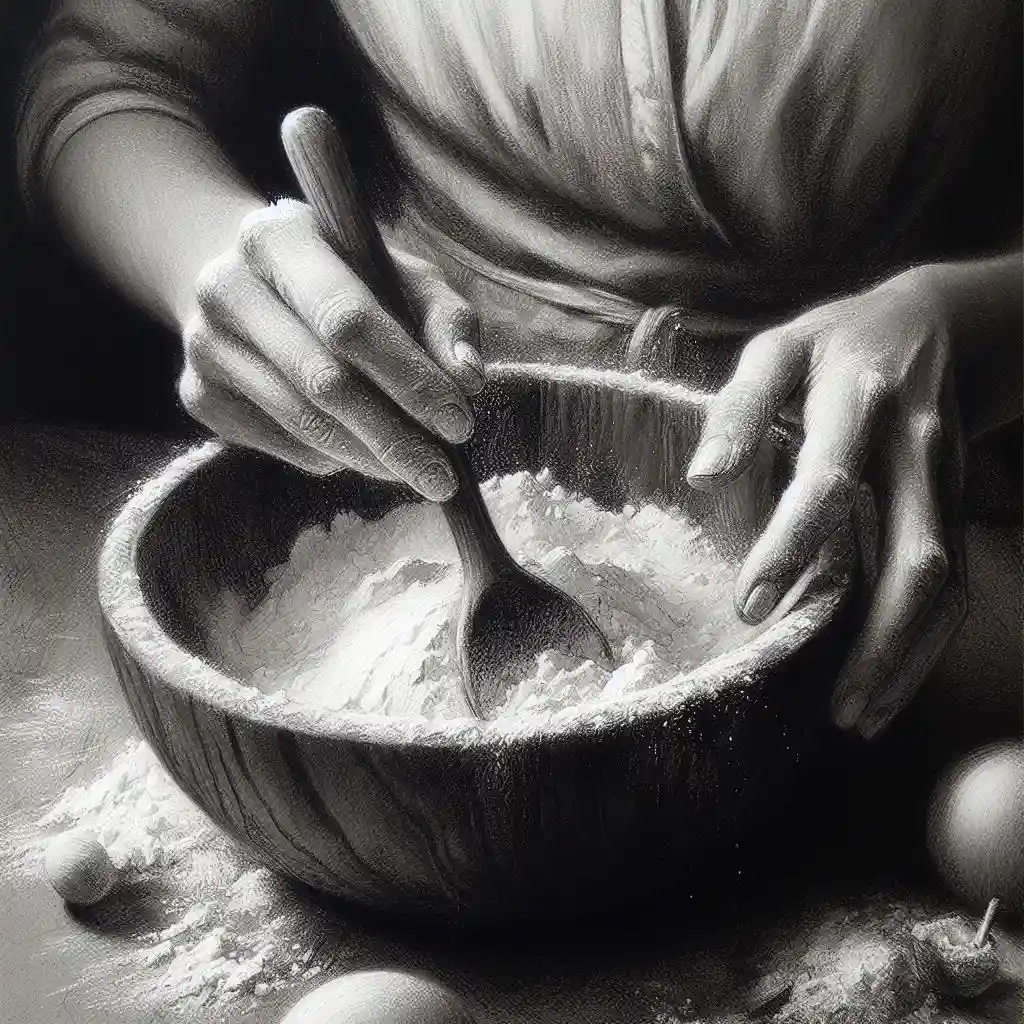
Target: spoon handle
328	183
324	174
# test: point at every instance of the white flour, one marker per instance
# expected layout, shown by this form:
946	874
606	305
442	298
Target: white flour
362	616
223	934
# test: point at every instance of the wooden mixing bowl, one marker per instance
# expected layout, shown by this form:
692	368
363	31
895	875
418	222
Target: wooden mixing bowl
467	820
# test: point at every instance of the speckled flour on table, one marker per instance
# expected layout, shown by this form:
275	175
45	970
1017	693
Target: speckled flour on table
219	930
362	616
224	936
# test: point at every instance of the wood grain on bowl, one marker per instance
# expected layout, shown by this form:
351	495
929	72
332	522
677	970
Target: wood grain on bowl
472	820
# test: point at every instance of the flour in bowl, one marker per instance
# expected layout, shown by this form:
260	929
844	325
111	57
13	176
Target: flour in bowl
363	615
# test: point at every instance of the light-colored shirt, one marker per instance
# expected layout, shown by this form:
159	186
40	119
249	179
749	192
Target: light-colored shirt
726	155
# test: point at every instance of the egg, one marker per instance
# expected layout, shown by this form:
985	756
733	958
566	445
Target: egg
79	868
976	827
379	997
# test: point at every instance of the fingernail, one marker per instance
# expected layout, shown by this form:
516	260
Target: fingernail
469	355
472	366
712	459
871	725
847	711
436	482
759	603
453	423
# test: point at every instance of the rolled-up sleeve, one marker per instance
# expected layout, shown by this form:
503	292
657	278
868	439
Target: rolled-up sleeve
187	59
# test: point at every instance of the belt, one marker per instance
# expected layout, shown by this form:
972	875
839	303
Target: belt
533	320
529	319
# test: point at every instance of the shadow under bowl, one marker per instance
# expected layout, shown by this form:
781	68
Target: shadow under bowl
469	821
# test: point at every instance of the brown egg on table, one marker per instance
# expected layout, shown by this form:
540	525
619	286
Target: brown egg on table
976	826
379	997
79	868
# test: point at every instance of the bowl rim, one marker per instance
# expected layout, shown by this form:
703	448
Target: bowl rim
127	614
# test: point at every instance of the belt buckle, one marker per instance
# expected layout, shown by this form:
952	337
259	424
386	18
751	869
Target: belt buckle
664	345
652	344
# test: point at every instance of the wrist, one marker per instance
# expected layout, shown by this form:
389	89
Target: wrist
977	305
932	287
148	200
218	236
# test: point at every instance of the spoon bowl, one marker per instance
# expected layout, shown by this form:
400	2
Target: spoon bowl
510	618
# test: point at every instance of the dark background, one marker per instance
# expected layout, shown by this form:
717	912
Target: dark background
72	351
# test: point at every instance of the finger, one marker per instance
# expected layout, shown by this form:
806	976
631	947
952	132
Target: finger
944	620
950	608
772	365
451	328
224	359
451	334
236	299
239	422
840	410
915	566
345	316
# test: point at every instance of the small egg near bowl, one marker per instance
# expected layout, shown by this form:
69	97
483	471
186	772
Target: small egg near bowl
468	820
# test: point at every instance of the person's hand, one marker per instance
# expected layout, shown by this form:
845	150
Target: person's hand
875	374
289	353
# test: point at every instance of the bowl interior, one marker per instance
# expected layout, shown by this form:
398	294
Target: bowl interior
463	819
616	438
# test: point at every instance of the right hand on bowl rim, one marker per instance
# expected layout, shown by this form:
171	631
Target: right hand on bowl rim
289	353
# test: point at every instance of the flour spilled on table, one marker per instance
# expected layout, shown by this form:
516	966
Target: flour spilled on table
362	616
222	936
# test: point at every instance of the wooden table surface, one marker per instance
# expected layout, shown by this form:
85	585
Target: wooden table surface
62	716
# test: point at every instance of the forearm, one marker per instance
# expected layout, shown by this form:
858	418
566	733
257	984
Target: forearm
148	200
983	302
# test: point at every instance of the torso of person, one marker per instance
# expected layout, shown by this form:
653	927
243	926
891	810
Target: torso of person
733	158
575	162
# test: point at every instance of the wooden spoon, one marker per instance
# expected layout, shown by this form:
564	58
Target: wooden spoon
508	615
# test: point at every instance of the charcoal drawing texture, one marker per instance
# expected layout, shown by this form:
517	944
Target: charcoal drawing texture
720	302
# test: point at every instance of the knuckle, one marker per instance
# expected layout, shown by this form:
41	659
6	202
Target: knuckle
259	228
766	353
315	428
427	392
873	387
450	318
839	490
196	338
255	230
762	345
742	398
320	467
193	393
323	384
404	453
218	281
926	430
343	320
